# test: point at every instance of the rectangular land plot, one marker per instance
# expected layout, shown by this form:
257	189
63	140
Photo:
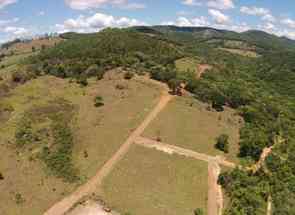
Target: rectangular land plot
187	123
151	182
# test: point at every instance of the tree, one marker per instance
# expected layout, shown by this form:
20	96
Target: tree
174	85
98	101
198	211
222	143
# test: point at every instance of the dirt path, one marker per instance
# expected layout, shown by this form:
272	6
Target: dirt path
215	197
269	205
170	149
64	205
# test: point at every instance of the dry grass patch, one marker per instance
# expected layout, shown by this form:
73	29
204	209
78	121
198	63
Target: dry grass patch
28	187
151	182
187	123
245	53
101	131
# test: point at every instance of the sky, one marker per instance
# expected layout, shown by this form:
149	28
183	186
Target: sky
28	18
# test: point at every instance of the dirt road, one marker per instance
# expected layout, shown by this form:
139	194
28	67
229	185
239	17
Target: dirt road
215	197
64	205
170	149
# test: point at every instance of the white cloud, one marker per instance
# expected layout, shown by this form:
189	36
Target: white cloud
95	23
192	2
219	17
17	31
269	18
88	4
185	22
289	22
264	13
41	13
217	4
221	4
4	3
255	11
133	6
8	21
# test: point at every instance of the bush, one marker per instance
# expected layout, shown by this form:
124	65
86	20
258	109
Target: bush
98	101
222	143
128	75
1	176
198	211
82	80
19	198
24	134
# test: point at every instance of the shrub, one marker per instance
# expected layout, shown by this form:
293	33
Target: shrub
1	176
24	134
128	75
222	143
19	198
98	101
121	86
59	161
82	80
198	211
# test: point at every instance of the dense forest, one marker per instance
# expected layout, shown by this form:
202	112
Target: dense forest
261	90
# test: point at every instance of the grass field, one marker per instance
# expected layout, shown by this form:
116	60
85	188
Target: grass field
149	182
245	53
187	123
28	187
187	64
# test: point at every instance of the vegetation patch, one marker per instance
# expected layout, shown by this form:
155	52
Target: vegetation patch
57	154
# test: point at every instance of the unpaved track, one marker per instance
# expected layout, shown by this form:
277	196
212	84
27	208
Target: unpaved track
170	149
67	203
215	198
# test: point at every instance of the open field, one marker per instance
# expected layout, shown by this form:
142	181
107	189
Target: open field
187	64
26	47
245	53
151	182
98	132
187	123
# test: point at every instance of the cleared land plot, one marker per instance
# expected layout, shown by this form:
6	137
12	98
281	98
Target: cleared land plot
98	132
187	64
245	53
187	123
151	182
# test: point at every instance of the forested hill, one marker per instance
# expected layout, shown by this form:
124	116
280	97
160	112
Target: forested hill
260	88
210	35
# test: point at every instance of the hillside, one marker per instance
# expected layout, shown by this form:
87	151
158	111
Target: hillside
258	39
126	114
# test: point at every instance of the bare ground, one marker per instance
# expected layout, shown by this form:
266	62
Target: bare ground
170	149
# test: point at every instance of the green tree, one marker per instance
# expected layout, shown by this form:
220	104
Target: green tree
174	85
222	143
98	101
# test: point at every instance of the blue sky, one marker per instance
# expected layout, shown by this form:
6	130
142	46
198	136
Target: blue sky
25	18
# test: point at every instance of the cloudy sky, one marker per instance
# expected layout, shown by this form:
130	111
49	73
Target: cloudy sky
22	18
